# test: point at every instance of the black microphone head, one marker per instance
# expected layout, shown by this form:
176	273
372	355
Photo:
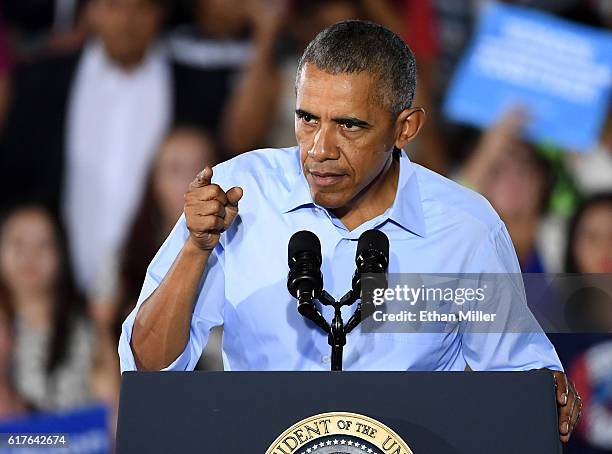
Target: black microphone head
305	280
373	240
304	241
372	260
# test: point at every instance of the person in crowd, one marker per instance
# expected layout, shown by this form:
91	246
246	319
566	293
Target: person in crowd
592	170
517	181
41	28
231	48
589	242
53	351
99	117
11	404
182	153
588	348
589	254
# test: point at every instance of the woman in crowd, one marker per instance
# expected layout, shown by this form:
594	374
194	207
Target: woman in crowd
589	248
517	181
53	348
587	351
183	153
11	405
589	253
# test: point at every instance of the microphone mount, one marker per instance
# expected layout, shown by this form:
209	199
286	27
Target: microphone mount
337	330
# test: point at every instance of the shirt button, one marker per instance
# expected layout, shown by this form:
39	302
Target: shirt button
325	359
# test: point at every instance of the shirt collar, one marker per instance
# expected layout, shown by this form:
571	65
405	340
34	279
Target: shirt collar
299	195
406	211
407	208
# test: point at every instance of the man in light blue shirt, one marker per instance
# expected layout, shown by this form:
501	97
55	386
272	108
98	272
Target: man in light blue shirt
227	266
436	226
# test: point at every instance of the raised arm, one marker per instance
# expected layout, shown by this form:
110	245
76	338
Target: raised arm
254	101
161	328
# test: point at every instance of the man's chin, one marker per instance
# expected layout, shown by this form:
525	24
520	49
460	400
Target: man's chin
330	201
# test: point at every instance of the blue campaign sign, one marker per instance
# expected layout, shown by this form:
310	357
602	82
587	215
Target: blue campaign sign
85	431
559	71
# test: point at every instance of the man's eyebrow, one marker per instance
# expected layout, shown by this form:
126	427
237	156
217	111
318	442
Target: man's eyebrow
355	121
301	113
340	120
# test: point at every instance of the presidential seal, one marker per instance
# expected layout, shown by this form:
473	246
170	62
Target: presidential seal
339	433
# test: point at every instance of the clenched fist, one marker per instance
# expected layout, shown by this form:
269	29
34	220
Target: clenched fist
209	210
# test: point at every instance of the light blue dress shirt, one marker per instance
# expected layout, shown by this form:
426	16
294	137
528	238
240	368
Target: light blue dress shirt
434	226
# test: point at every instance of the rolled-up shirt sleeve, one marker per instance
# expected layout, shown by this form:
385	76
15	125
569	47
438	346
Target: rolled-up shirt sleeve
208	309
515	341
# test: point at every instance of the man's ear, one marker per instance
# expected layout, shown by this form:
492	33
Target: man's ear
408	124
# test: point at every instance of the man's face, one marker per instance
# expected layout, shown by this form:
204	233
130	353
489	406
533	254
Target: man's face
127	27
344	134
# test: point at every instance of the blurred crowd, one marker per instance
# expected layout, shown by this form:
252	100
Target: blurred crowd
109	108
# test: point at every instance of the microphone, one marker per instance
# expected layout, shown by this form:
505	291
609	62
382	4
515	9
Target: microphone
305	280
305	283
372	254
372	260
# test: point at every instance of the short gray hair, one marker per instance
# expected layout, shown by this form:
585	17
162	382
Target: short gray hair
355	46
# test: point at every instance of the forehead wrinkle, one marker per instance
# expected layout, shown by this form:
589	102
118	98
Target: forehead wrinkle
377	90
339	93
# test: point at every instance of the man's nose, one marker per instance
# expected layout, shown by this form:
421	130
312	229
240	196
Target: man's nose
324	146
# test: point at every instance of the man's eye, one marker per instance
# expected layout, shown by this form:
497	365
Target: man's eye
306	118
350	126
